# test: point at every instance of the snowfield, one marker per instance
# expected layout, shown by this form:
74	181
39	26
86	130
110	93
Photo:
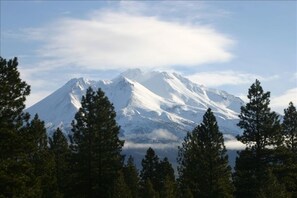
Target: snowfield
154	109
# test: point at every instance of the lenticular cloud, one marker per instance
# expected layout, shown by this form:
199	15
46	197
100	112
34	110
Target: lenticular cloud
119	40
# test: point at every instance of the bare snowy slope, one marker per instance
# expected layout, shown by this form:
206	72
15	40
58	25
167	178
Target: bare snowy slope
152	107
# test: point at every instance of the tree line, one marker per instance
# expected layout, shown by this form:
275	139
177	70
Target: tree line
89	163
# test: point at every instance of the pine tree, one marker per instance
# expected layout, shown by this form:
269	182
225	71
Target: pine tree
40	157
168	188
131	177
289	127
12	96
165	179
149	168
260	125
61	152
261	131
285	157
96	146
121	190
15	169
148	190
203	162
272	188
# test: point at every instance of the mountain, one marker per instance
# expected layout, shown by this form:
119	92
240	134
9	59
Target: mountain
153	108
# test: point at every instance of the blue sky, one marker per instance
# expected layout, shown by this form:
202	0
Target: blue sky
220	44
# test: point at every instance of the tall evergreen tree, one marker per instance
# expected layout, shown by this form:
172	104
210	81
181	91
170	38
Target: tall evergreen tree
120	189
272	188
15	169
131	177
260	125
261	131
96	146
40	157
203	162
289	127
12	96
165	179
149	168
148	190
285	157
61	152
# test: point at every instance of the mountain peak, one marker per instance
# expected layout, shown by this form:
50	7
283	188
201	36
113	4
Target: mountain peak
145	102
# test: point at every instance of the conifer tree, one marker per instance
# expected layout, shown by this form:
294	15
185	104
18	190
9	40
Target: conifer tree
285	157
120	190
272	188
12	96
165	179
61	152
15	169
149	168
260	125
40	157
289	127
131	177
203	162
261	131
96	146
148	190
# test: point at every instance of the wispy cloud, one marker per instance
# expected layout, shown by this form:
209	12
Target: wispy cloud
279	103
220	78
109	39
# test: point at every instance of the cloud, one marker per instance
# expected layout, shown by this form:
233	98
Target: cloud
281	102
111	40
157	135
232	143
133	145
219	78
162	134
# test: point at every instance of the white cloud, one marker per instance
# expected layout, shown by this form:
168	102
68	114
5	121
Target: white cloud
219	78
133	145
162	134
112	40
232	143
281	102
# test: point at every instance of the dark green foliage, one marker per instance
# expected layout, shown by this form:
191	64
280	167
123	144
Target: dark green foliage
262	135
131	177
248	174
168	189
260	126
96	146
40	157
289	127
16	172
12	96
285	156
149	168
165	179
148	190
61	153
271	188
158	173
203	162
120	189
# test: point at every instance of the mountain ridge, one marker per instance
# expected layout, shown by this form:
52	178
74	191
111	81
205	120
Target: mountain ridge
151	107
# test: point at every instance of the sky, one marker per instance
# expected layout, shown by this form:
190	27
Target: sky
219	44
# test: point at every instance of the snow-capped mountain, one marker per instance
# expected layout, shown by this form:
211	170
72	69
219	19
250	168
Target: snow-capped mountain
152	107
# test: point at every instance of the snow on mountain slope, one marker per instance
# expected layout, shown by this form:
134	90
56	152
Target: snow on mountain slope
152	107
